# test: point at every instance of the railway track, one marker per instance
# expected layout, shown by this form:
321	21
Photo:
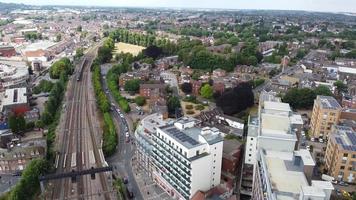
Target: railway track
79	149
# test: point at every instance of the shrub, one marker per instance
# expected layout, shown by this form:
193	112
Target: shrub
189	107
190	112
199	107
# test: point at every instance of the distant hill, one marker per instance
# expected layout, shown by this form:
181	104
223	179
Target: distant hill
5	7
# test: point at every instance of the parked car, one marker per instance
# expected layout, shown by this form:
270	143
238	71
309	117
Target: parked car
321	140
342	183
308	148
312	139
125	180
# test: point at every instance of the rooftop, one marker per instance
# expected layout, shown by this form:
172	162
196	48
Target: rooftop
271	105
328	102
286	179
345	137
14	96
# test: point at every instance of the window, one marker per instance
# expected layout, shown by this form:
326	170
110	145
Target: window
214	154
342	167
345	154
249	155
251	139
197	153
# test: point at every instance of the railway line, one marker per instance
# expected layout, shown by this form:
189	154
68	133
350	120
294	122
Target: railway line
78	142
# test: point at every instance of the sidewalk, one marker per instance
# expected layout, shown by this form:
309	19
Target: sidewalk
148	188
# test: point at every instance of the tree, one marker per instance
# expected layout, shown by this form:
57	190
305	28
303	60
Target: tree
79	52
173	104
153	52
206	91
61	66
235	100
340	87
140	100
79	28
132	85
300	98
104	54
29	184
323	90
186	88
17	124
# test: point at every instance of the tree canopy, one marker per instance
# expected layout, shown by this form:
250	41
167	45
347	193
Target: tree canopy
61	66
206	91
186	88
235	100
132	85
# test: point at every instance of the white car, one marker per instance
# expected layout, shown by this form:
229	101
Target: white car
321	140
127	134
121	115
312	139
308	148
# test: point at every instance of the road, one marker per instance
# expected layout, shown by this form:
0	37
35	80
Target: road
121	160
78	142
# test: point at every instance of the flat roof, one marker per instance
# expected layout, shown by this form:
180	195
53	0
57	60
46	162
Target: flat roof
345	137
328	102
14	96
185	137
272	105
286	179
347	70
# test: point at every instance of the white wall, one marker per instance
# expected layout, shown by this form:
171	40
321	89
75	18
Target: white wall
205	172
276	144
250	152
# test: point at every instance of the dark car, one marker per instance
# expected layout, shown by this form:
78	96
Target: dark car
125	180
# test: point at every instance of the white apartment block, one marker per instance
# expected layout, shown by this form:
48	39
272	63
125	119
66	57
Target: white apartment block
274	128
186	158
286	176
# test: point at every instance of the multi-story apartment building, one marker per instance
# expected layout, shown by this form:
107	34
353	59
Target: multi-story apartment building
340	156
186	158
326	113
275	127
286	175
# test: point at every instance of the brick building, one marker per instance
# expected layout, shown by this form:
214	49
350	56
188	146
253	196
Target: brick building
7	51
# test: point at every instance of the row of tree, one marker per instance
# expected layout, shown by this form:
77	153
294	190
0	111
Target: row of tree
109	135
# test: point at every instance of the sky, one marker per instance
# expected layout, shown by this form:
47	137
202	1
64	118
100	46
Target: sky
309	5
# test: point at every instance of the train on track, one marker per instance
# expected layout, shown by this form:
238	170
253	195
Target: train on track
80	72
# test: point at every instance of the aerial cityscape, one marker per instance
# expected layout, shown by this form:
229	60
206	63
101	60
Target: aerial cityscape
178	100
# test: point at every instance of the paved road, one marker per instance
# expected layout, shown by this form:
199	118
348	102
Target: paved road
7	181
121	160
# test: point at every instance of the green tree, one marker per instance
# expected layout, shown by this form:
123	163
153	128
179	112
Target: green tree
300	98
29	184
340	87
323	90
17	124
206	91
173	104
140	100
132	85
61	66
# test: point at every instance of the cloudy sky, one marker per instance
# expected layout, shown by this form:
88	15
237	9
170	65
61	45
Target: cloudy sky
310	5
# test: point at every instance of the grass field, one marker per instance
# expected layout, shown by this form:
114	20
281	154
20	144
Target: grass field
128	48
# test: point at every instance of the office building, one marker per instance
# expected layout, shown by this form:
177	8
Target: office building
340	156
326	113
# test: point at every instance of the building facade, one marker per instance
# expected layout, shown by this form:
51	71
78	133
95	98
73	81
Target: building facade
186	158
340	156
326	113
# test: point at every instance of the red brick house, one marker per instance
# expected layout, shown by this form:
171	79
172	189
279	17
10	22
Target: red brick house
7	51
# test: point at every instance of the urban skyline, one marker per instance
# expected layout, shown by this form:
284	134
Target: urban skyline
314	5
